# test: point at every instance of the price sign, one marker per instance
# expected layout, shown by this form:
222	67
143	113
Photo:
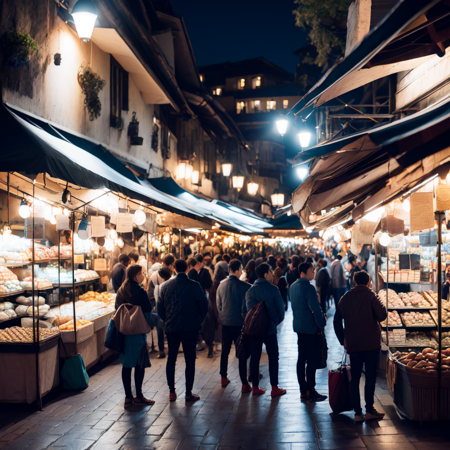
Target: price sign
124	223
98	226
100	264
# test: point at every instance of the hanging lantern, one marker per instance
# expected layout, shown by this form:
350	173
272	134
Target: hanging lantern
304	137
252	188
282	125
66	212
277	199
84	15
406	205
166	238
24	209
226	169
188	172
119	242
113	234
109	244
385	239
195	177
238	180
181	171
139	217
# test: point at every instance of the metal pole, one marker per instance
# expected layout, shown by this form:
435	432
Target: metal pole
439	293
387	295
73	284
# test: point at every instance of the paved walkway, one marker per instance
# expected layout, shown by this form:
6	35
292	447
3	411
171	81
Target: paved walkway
223	419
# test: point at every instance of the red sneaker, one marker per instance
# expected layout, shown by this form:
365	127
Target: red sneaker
225	381
192	398
172	397
246	389
276	391
257	391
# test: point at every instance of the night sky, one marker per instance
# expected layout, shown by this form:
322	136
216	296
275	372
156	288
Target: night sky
233	30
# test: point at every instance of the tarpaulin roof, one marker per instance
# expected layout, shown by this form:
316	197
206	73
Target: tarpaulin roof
238	218
405	38
30	149
377	165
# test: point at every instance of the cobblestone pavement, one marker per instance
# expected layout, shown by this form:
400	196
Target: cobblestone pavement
223	419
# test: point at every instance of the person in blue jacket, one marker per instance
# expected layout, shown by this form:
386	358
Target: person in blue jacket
308	319
136	352
263	289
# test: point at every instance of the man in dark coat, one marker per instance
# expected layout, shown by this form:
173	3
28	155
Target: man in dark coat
182	305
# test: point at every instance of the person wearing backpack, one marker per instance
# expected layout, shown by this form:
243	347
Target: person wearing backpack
264	290
308	320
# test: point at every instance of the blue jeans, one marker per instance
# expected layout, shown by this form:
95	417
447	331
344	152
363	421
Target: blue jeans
271	343
370	361
189	340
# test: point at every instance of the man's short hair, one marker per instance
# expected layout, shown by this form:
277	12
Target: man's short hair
234	265
168	260
180	265
323	262
134	255
124	259
304	267
165	273
199	258
192	262
207	254
226	257
339	256
262	269
361	278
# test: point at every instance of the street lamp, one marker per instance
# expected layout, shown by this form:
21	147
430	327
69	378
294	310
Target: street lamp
238	180
181	171
188	173
84	15
226	169
277	199
302	172
195	177
282	126
304	137
252	188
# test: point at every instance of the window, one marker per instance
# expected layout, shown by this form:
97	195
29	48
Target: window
256	82
119	92
285	104
271	104
256	105
241	83
240	107
201	78
219	91
214	92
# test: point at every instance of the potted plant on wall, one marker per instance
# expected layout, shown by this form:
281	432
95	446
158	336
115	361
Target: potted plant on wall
91	84
18	48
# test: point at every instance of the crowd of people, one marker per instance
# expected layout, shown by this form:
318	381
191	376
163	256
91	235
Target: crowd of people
203	302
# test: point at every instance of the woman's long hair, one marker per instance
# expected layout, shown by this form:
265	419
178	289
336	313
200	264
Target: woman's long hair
250	270
132	271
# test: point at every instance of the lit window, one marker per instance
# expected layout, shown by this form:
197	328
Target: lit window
257	105
256	82
271	104
214	92
285	104
241	83
201	78
240	107
218	91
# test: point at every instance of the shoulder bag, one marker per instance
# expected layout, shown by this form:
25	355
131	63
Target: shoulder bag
130	320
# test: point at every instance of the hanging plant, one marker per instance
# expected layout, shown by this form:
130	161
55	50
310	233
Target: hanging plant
18	48
91	84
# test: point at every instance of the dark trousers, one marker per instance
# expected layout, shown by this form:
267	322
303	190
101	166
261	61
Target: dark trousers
139	373
370	361
323	301
307	344
271	344
189	340
337	294
229	335
160	339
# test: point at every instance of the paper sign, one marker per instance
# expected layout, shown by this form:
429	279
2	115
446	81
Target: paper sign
421	213
367	227
62	222
98	226
442	197
100	264
124	223
78	259
113	217
122	204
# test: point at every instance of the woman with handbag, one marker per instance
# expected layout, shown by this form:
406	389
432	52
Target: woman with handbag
136	353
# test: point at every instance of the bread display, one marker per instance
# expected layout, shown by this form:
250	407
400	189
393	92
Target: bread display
18	334
431	296
420	339
6	305
85	275
104	297
9	282
426	359
417	319
69	326
22	300
39	283
394	300
445	317
414	300
394	320
13	257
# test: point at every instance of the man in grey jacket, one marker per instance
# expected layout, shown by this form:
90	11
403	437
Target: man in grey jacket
230	299
264	290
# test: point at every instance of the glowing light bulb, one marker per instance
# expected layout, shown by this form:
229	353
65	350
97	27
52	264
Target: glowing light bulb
24	210
113	234
119	242
385	239
66	212
406	205
139	217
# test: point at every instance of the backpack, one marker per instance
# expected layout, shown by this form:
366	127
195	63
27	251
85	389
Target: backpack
256	322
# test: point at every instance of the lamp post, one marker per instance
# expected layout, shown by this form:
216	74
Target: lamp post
304	137
282	125
277	199
238	180
226	169
252	188
84	15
